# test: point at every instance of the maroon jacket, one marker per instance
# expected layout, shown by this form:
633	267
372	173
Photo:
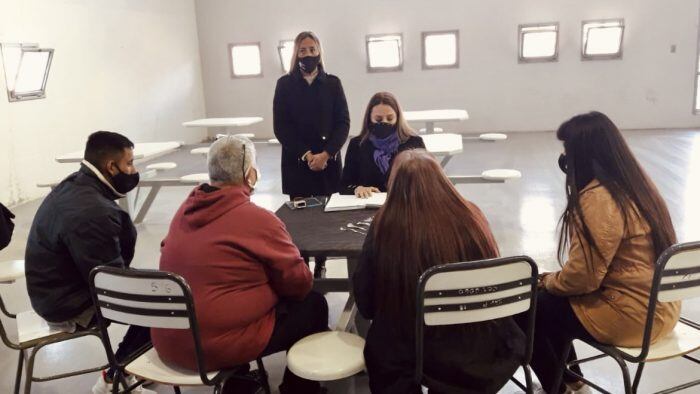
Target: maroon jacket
239	260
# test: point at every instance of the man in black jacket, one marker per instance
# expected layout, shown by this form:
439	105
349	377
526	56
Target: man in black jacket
77	228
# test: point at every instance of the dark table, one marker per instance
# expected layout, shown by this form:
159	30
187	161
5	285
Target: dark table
318	233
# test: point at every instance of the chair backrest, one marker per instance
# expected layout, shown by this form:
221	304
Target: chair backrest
476	291
680	276
141	297
676	278
146	298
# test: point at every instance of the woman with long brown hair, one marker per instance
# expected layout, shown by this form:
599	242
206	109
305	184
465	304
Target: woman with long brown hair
426	222
385	133
311	120
615	226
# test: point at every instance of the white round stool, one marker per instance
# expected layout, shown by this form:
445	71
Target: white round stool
492	137
201	177
273	141
200	151
12	270
325	356
161	166
435	130
501	174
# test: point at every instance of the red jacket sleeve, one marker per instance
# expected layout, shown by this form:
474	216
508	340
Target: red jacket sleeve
289	275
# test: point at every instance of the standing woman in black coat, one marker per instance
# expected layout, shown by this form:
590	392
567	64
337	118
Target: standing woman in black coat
311	121
370	155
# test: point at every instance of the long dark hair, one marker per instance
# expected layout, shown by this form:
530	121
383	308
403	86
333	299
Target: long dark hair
595	149
424	222
403	129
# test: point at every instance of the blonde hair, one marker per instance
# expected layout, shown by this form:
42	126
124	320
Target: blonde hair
297	43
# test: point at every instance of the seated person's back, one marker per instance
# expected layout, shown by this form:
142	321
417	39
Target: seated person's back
237	258
425	222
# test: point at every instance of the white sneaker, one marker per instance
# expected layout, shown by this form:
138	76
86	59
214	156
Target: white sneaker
102	387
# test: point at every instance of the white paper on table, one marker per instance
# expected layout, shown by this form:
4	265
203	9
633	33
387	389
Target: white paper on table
340	202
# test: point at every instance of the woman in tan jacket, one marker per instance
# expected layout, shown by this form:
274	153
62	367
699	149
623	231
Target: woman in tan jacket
615	226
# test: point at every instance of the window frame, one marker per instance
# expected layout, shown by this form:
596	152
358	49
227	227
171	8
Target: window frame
370	69
12	95
425	34
230	59
537	59
279	54
584	40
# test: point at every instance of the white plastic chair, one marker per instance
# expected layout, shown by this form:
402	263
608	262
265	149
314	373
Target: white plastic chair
676	278
157	299
477	291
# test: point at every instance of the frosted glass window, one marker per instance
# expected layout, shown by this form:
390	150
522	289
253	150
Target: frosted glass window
538	42
245	60
26	70
285	51
441	49
384	52
602	39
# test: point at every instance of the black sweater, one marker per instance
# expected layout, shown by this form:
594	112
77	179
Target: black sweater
360	168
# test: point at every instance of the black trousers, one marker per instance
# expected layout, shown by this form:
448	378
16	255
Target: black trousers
556	326
135	338
295	320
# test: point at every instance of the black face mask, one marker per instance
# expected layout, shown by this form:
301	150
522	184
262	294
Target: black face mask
308	64
562	163
124	183
382	129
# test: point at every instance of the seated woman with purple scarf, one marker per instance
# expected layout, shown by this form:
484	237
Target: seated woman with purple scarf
384	134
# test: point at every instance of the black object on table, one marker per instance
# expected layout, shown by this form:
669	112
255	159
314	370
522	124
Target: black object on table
318	233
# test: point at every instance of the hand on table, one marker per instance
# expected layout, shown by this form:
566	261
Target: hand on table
318	162
365	192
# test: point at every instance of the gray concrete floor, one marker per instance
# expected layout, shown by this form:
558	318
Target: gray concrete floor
523	216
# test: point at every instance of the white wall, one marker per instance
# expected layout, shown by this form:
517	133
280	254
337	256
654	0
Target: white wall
649	88
130	66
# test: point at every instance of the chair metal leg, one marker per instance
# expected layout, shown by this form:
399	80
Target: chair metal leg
263	376
625	373
176	389
217	389
29	374
638	377
20	364
528	379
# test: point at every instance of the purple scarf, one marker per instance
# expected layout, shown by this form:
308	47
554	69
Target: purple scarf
384	149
